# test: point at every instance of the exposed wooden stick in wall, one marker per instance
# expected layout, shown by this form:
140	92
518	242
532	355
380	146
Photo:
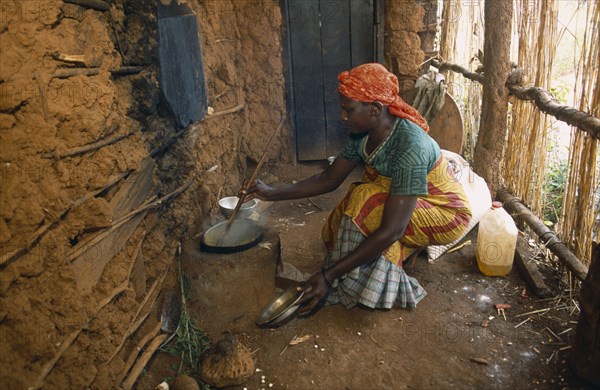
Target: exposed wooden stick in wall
180	133
64	73
66	343
94	146
114	292
136	351
143	360
114	29
70	339
78	59
84	246
127	70
70	72
137	322
73	58
43	230
98	5
150	203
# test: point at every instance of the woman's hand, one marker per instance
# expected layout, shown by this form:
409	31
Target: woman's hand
259	190
315	289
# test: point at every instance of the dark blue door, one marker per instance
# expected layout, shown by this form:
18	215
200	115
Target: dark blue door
326	37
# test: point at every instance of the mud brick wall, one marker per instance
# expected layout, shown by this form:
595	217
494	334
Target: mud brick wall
85	247
402	46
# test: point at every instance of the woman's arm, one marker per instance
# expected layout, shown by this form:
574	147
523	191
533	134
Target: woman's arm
396	215
318	184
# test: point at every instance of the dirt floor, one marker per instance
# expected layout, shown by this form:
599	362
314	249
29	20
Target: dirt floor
455	337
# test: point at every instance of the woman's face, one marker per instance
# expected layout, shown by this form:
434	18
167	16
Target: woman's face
357	116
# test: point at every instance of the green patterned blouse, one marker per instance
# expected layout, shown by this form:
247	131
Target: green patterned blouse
407	155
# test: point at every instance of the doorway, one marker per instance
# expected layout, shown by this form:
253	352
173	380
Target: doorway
324	38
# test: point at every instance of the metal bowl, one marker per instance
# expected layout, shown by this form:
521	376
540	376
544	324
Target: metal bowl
227	205
242	234
281	307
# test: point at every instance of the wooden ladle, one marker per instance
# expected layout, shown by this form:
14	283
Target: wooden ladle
250	180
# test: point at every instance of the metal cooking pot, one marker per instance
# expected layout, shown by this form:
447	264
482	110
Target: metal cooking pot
243	234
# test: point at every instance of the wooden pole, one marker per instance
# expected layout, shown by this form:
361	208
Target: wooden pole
459	69
543	99
548	104
494	108
547	236
585	355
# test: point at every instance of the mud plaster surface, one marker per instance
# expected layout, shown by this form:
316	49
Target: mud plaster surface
43	117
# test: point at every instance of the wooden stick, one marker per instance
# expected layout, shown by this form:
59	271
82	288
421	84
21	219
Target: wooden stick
66	73
151	203
381	346
134	256
136	351
116	291
43	230
522	322
534	312
168	144
141	363
180	133
479	360
227	111
548	104
543	99
553	334
315	204
72	58
70	339
517	209
253	175
49	366
127	70
136	323
565	331
41	86
98	5
94	146
459	69
108	131
221	94
114	28
102	235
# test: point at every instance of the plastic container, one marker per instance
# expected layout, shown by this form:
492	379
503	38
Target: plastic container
496	242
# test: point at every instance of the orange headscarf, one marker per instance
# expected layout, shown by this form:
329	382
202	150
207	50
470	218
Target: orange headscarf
373	83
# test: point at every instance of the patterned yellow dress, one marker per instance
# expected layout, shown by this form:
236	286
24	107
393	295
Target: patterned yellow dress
407	162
